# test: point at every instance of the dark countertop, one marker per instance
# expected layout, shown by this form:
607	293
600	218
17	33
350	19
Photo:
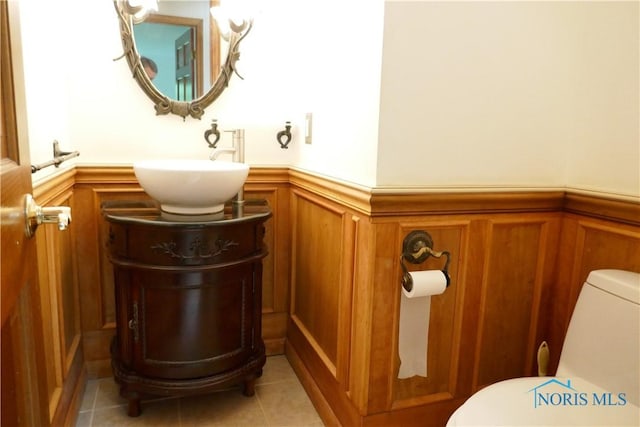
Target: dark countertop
149	212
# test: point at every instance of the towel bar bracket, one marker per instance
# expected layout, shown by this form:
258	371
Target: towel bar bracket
59	156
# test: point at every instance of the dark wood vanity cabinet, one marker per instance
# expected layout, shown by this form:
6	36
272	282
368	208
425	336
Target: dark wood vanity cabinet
188	300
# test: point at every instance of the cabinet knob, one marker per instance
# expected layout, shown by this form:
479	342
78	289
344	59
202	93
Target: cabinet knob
36	215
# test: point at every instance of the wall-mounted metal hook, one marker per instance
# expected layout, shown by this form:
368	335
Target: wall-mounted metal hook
417	246
284	136
213	131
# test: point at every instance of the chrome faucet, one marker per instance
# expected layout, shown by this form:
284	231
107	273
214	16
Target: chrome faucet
237	150
216	153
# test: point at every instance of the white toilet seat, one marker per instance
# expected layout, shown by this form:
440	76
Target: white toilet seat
512	403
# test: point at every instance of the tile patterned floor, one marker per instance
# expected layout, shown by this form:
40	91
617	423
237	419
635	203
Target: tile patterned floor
279	401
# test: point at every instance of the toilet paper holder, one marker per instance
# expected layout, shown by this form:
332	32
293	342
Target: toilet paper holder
416	248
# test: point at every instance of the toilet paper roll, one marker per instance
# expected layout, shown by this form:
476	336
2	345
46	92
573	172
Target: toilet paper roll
415	309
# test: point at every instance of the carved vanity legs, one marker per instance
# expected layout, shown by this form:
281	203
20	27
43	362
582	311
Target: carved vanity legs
249	387
134	407
133	410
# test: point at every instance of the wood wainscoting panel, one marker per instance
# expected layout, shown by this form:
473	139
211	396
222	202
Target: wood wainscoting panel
317	247
445	319
362	319
600	246
324	266
51	325
519	249
331	284
586	244
383	298
59	304
60	307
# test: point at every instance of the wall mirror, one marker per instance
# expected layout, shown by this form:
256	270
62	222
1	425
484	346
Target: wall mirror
180	53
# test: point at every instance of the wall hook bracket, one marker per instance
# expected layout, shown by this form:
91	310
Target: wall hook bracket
213	131
284	136
417	246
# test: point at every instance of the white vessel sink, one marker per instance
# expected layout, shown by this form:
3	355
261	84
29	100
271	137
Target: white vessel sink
191	187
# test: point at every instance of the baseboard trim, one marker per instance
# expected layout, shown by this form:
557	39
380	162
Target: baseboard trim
308	383
76	400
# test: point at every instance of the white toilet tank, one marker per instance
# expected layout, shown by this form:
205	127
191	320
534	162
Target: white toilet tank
602	344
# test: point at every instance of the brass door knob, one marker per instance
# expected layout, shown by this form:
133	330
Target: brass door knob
36	215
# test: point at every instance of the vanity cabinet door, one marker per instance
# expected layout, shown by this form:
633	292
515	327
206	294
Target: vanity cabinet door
193	324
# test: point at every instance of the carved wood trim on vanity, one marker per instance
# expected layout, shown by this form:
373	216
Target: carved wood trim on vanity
518	261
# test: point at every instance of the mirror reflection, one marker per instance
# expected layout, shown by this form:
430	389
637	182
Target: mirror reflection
177	53
182	41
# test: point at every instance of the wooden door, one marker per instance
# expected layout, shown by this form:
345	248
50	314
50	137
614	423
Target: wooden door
185	66
21	341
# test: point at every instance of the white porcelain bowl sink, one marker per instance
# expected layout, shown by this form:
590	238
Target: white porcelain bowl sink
191	187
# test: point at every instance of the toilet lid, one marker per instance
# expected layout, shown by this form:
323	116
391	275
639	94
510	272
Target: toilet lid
546	401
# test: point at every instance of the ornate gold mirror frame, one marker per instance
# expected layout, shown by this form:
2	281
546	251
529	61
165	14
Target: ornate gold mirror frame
164	104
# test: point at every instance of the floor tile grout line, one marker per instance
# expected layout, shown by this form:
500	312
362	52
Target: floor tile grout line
91	418
264	413
95	396
93	404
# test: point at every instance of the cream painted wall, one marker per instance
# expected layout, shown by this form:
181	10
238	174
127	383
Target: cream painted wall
296	59
461	94
504	94
46	81
605	149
